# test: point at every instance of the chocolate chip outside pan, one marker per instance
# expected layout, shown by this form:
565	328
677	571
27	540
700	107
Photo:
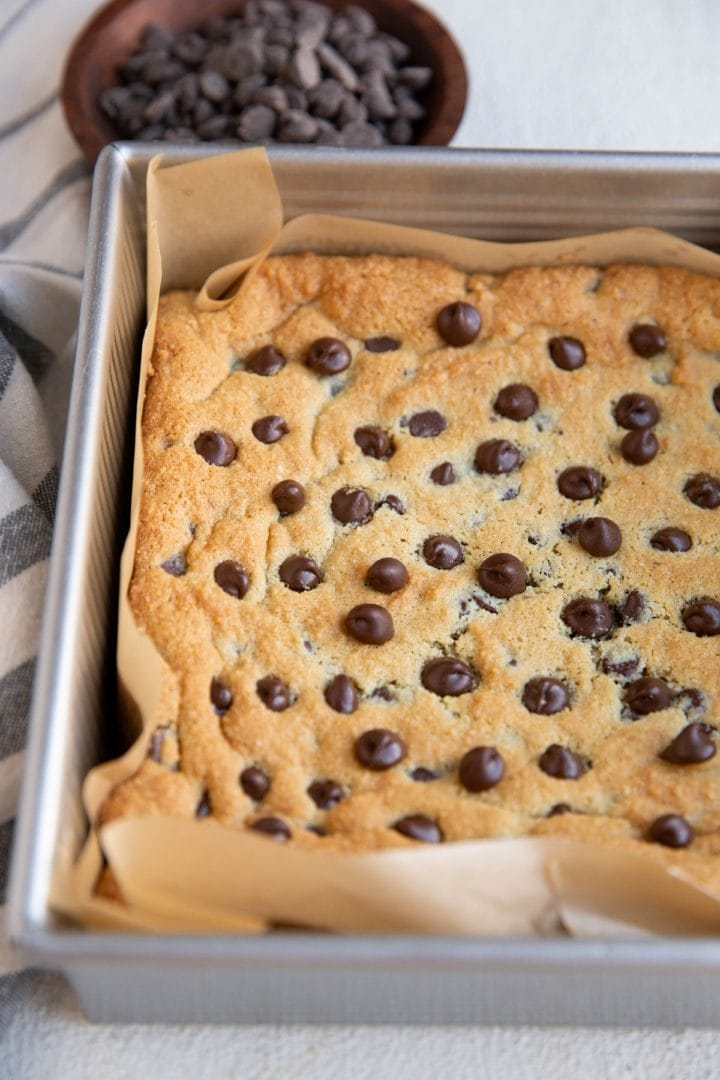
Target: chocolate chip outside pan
113	34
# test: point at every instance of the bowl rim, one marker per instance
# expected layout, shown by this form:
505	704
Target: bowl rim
92	131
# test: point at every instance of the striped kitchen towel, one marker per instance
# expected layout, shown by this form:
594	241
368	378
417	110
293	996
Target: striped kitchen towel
38	311
44	195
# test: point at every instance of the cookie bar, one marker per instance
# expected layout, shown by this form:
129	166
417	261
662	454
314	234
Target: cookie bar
434	556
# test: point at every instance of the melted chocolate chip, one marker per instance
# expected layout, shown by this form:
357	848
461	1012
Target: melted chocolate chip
274	693
341	694
559	808
326	793
497	456
545	696
640	447
216	448
587	617
370	624
571	528
702	618
516	402
300	573
220	695
671	830
289	497
647	695
704	491
204	807
255	782
443	474
647	340
419	827
636	411
382	344
175	565
374	442
443	552
480	602
599	536
273	827
623	668
693	745
266	361
690	699
382	693
270	429
448	677
387	576
351	506
632	608
579	482
716	397
427	425
561	763
232	577
567	353
421	775
503	575
671	539
481	769
328	356
394	502
459	324
379	749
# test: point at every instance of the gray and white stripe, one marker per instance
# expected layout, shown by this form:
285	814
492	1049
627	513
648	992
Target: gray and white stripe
44	182
34	374
44	190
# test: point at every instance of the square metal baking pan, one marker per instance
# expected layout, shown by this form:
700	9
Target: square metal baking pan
304	976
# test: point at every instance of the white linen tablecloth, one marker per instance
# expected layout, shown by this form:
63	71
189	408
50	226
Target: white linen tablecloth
625	74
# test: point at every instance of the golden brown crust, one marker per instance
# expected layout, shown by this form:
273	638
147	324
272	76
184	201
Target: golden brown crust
207	514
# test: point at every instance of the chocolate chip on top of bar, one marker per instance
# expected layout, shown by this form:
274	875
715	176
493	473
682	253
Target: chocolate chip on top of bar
434	556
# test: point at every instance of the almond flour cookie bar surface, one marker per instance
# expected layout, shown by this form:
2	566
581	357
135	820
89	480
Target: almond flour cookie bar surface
435	557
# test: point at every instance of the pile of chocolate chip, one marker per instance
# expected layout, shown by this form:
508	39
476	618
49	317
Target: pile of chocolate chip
286	71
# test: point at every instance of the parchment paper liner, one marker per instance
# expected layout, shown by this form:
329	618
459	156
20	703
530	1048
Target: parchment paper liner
181	875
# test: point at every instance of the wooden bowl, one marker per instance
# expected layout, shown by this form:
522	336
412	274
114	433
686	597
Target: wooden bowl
113	35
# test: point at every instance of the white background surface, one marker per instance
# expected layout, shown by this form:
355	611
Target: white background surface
616	74
62	1045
